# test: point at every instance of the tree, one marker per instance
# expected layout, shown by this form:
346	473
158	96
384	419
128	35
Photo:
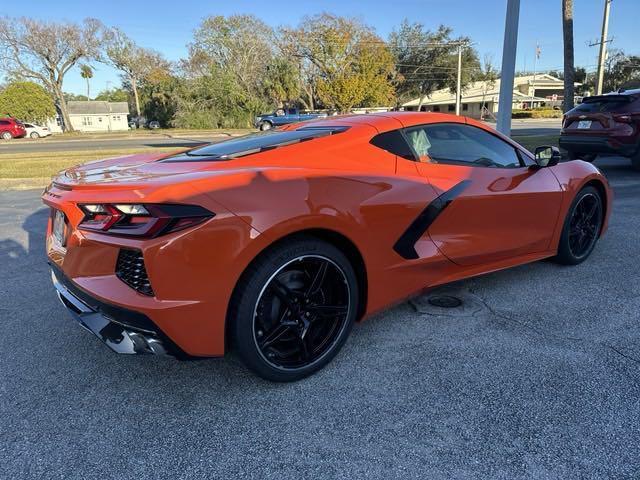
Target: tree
113	95
133	61
214	99
239	44
27	101
345	61
569	71
86	72
489	75
72	97
282	81
427	61
46	51
621	71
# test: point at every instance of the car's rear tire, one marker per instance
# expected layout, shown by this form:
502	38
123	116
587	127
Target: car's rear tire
6	136
581	228
34	135
293	309
264	126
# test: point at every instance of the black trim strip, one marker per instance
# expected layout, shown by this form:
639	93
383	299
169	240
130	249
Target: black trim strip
405	246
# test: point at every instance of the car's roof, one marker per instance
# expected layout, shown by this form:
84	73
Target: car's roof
385	121
631	91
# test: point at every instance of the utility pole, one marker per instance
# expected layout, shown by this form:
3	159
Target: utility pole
535	66
603	46
508	67
459	81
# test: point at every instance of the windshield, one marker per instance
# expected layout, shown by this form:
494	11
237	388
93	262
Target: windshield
257	142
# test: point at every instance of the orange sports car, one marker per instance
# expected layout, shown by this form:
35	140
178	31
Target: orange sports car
275	243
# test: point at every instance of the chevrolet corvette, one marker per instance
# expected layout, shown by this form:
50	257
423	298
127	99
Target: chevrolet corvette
272	245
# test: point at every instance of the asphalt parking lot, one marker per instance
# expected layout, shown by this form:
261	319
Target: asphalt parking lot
537	376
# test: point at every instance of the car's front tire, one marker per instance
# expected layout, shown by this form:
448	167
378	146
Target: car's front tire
35	135
582	227
6	136
264	126
293	309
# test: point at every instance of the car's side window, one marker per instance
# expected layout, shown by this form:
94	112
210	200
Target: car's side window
395	143
461	145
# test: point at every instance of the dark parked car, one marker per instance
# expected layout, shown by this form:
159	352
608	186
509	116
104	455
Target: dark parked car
284	117
11	128
604	124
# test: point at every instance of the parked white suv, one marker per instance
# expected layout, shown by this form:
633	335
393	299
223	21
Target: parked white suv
36	131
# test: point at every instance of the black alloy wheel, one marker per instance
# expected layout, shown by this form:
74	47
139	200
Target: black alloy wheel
301	312
582	227
585	224
293	309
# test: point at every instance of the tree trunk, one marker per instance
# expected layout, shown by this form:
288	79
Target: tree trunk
62	103
88	90
420	100
569	70
134	86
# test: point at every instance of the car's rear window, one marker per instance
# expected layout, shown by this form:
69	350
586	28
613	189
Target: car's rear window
253	143
602	105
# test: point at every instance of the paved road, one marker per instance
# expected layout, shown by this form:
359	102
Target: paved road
537	376
535	127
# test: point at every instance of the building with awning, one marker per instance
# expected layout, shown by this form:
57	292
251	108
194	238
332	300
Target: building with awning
480	99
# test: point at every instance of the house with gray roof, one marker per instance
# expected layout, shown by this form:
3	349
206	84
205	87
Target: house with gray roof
98	116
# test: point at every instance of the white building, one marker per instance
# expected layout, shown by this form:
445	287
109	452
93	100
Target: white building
480	99
98	116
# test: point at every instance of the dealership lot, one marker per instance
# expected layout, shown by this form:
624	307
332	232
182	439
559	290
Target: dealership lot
537	375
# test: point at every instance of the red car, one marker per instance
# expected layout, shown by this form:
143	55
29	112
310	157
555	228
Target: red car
607	124
275	243
10	128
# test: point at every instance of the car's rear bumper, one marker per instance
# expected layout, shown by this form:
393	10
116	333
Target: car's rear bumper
122	330
596	144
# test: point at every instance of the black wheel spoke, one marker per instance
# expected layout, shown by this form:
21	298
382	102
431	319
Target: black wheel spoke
318	279
591	212
274	335
328	310
304	348
285	294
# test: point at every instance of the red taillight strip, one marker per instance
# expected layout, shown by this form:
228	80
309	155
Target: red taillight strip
162	219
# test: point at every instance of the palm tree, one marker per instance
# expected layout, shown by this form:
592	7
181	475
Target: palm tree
569	70
86	72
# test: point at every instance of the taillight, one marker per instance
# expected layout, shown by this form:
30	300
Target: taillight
623	118
141	220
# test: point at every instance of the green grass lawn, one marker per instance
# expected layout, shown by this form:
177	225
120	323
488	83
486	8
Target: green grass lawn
530	142
34	170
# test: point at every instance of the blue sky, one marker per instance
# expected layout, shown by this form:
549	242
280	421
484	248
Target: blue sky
167	26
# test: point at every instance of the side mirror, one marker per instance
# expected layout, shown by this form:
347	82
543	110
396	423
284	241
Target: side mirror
548	156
